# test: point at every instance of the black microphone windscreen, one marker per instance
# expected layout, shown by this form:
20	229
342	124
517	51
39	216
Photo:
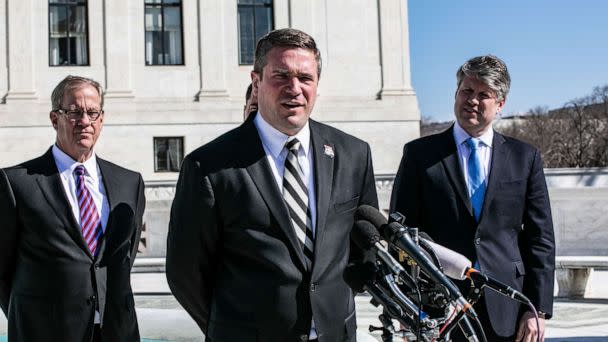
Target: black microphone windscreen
371	214
356	275
364	234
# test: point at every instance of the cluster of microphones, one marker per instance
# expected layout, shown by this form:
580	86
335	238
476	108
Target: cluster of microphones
400	286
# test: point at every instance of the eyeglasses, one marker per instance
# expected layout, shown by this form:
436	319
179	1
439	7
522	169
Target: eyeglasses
76	114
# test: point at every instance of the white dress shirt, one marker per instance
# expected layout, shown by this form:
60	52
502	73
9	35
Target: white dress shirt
484	150
93	181
274	142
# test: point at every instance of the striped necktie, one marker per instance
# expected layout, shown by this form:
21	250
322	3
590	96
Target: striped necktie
295	194
476	178
89	217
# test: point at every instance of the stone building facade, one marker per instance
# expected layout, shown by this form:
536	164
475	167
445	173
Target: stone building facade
191	89
365	87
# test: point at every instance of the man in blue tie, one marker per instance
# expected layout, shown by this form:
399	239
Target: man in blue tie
484	195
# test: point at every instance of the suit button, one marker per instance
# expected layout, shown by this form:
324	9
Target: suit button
477	240
313	287
304	338
96	266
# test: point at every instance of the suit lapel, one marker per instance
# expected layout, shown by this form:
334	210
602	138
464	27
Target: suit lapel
498	163
52	188
453	168
111	185
264	180
324	171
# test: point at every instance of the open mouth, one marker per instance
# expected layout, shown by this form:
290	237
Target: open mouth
470	110
292	105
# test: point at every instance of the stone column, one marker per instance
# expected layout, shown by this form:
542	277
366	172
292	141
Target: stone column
3	47
301	15
20	49
281	13
211	47
117	42
394	45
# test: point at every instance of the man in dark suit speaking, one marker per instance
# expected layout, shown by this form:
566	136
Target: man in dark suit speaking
259	232
69	230
484	195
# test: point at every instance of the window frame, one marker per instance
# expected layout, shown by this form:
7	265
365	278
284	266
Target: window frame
252	6
162	6
72	3
179	157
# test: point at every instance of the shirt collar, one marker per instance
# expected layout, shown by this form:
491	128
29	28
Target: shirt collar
65	163
460	135
274	140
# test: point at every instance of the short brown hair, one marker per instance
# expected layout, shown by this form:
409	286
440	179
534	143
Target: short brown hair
287	37
70	83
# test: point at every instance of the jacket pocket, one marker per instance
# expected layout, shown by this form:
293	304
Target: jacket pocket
520	269
346	206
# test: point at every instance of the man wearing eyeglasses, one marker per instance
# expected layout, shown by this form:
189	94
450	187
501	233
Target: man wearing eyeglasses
69	230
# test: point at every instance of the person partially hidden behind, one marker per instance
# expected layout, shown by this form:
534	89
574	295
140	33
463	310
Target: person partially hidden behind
260	224
251	102
69	232
483	195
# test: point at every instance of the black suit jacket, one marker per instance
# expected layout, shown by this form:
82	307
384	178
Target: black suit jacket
233	259
513	240
50	283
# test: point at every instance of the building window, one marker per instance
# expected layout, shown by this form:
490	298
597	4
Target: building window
255	20
168	153
163	23
68	32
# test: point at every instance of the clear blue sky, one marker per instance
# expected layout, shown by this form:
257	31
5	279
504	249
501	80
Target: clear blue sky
556	50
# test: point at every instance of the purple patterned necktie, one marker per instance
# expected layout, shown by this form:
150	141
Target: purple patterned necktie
89	218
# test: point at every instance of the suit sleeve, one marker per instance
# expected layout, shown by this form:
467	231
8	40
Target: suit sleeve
405	194
369	195
141	205
192	242
537	243
8	240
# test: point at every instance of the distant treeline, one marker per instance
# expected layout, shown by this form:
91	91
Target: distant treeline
575	135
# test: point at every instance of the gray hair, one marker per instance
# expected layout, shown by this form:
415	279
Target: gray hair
69	84
488	69
287	37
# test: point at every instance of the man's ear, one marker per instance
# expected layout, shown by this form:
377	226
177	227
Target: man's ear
501	104
53	117
255	82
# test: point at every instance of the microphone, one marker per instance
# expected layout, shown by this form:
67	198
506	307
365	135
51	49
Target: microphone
457	266
362	277
485	280
367	238
396	234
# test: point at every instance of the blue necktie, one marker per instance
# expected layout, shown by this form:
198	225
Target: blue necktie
476	177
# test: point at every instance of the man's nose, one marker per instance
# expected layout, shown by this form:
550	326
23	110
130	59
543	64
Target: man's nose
293	87
84	119
472	99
